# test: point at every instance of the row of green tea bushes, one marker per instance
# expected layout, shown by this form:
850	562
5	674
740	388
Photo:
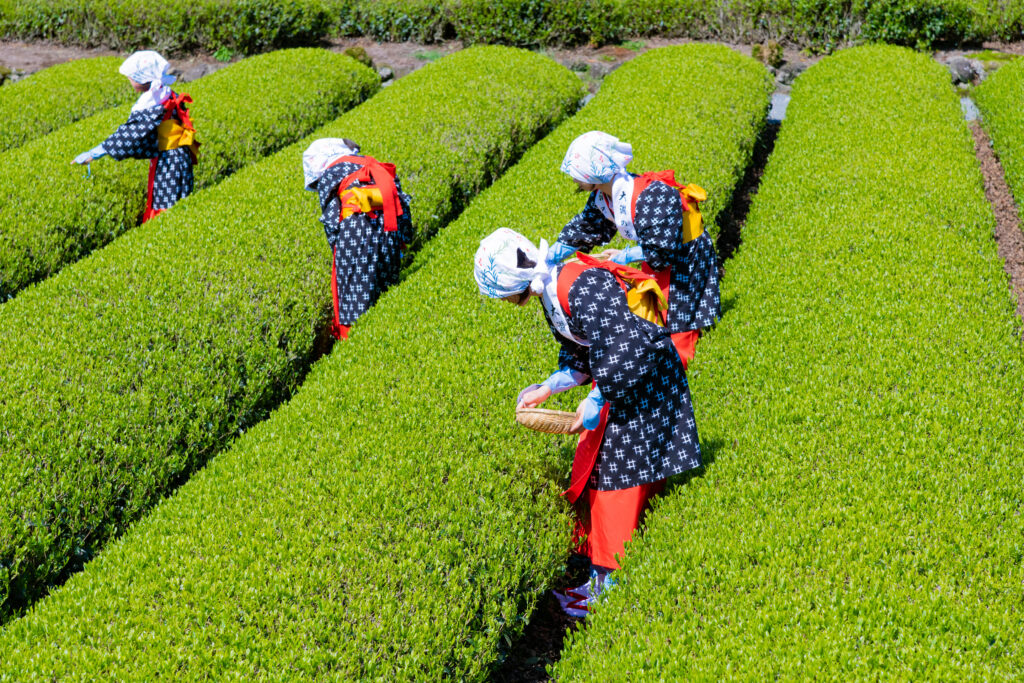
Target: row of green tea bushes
130	368
823	25
999	98
389	522
51	215
264	24
59	95
239	26
862	409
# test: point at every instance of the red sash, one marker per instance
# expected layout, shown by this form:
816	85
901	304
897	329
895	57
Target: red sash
572	270
383	176
668	177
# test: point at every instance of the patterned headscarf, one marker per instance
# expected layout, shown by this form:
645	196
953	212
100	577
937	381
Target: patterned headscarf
319	155
507	263
147	66
596	157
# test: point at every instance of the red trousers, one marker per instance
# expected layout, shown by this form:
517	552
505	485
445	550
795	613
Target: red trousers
338	331
150	212
607	519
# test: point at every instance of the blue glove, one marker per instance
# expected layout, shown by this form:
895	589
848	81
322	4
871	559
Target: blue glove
627	256
558	252
592	405
565	378
94	153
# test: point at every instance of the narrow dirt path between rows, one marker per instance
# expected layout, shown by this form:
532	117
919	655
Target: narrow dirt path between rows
1008	235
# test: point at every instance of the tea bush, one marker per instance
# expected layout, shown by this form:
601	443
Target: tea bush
861	407
243	26
59	95
51	215
820	23
256	25
999	99
130	368
389	522
922	23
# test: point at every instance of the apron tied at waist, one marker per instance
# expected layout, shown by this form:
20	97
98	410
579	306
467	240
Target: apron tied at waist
176	130
379	190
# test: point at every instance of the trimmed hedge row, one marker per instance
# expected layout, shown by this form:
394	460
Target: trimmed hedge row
999	99
244	26
131	368
59	95
819	23
55	216
861	403
389	522
262	24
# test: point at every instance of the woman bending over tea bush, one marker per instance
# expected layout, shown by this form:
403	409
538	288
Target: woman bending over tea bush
637	422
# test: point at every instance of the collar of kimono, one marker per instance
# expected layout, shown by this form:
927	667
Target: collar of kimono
618	208
380	174
154	97
553	306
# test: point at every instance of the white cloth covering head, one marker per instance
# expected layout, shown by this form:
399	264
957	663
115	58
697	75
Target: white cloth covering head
319	155
149	67
507	263
596	157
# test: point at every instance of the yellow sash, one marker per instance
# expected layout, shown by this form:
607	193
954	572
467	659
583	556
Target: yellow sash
646	300
171	135
361	200
693	221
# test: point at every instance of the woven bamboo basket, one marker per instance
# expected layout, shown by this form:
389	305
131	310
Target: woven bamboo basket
544	420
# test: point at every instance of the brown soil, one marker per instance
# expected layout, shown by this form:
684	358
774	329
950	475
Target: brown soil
31	57
592	62
1008	235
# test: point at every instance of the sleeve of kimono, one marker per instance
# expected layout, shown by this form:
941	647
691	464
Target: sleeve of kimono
136	137
573	356
588	228
331	219
618	355
659	219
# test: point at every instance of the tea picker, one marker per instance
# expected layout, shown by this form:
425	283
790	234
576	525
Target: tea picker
158	128
367	222
661	215
637	421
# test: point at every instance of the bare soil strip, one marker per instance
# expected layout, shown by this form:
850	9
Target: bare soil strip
1008	235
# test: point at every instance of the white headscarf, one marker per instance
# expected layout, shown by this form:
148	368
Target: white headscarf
319	155
596	157
496	265
497	272
147	66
